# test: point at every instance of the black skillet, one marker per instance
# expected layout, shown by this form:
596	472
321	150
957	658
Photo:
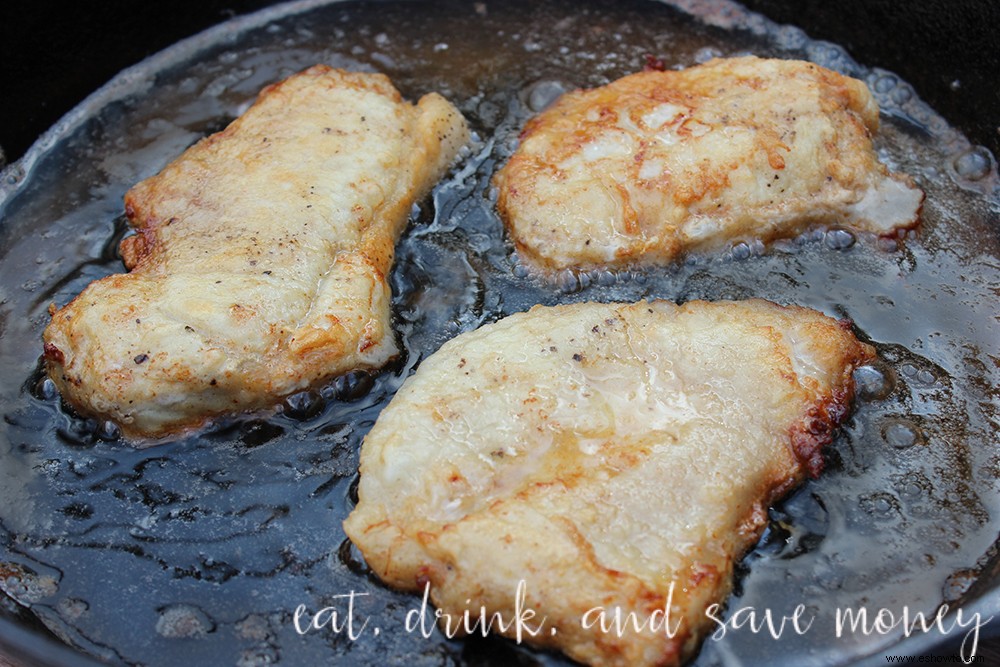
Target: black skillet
199	551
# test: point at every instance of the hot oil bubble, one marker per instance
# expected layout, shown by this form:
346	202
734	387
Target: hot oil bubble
840	239
183	621
790	37
14	175
974	164
45	389
24	585
78	433
880	505
568	282
901	434
606	278
303	405
917	375
704	54
901	94
810	236
887	244
108	431
885	83
354	385
351	557
831	56
520	271
913	487
874	382
489	113
741	251
543	93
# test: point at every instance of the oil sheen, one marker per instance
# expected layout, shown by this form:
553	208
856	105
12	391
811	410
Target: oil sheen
202	549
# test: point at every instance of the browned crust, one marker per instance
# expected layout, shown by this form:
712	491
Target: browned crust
149	210
818	428
820	409
578	116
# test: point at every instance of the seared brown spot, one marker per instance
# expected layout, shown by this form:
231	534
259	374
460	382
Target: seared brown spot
702	571
653	64
817	429
54	354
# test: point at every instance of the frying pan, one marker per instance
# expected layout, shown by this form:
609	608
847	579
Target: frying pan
199	551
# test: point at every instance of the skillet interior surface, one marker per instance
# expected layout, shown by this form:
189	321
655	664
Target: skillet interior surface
200	550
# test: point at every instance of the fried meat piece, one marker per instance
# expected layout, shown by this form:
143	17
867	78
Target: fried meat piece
601	454
659	164
258	268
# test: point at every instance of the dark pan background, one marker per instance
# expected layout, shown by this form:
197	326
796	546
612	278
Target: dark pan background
52	55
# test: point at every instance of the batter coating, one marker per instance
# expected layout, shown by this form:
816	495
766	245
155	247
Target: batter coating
258	268
600	454
659	164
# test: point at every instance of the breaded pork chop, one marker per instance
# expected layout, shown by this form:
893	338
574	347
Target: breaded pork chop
600	453
658	164
259	263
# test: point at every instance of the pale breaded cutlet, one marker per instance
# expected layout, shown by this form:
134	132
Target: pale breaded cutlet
600	459
259	264
661	164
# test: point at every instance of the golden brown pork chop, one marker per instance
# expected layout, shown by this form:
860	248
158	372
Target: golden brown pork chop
600	454
658	164
259	264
